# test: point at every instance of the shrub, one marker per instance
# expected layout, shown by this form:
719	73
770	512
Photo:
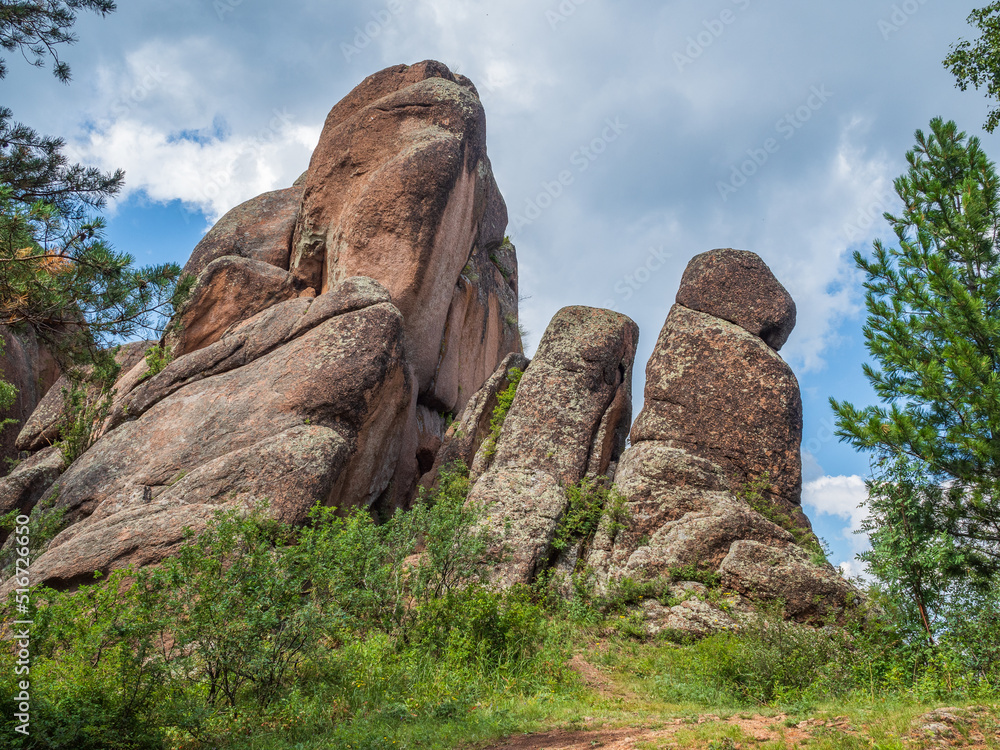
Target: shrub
344	628
95	681
769	661
233	604
504	400
157	358
588	501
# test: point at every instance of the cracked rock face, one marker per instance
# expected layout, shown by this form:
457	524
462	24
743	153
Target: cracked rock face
304	403
399	189
719	393
569	420
30	368
722	412
737	286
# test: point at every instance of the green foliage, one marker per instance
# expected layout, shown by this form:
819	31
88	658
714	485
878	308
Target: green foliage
157	358
46	520
8	396
978	63
346	628
934	330
692	572
236	596
86	405
33	166
769	662
756	491
34	29
57	276
79	296
95	684
588	501
494	630
504	400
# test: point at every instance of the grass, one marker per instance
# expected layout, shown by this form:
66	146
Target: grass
630	696
368	693
351	634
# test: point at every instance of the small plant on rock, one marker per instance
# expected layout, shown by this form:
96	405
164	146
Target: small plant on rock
504	400
755	492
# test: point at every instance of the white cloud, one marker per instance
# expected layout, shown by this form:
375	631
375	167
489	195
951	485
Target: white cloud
843	497
855	569
213	173
812	219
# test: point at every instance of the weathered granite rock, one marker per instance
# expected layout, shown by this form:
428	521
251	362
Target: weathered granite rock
810	591
568	420
259	229
23	487
229	290
720	393
695	616
737	286
29	367
722	414
303	404
43	427
400	189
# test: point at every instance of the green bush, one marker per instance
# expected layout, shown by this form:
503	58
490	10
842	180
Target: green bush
94	681
157	358
769	661
588	501
504	400
346	628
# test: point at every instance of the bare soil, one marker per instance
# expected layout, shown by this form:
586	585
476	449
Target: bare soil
974	728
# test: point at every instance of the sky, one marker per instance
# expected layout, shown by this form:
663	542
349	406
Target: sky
625	137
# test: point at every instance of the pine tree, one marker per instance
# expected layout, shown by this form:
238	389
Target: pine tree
58	277
32	165
933	328
79	296
978	64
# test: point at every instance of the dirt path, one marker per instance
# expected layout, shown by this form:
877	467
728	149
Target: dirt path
974	728
754	729
969	729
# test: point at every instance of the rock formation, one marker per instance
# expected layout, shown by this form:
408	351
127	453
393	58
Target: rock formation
357	331
332	328
29	367
569	420
43	428
303	403
713	475
399	189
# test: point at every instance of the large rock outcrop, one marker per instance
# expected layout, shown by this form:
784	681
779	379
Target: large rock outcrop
32	370
45	425
399	189
302	404
568	420
713	475
357	331
332	328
